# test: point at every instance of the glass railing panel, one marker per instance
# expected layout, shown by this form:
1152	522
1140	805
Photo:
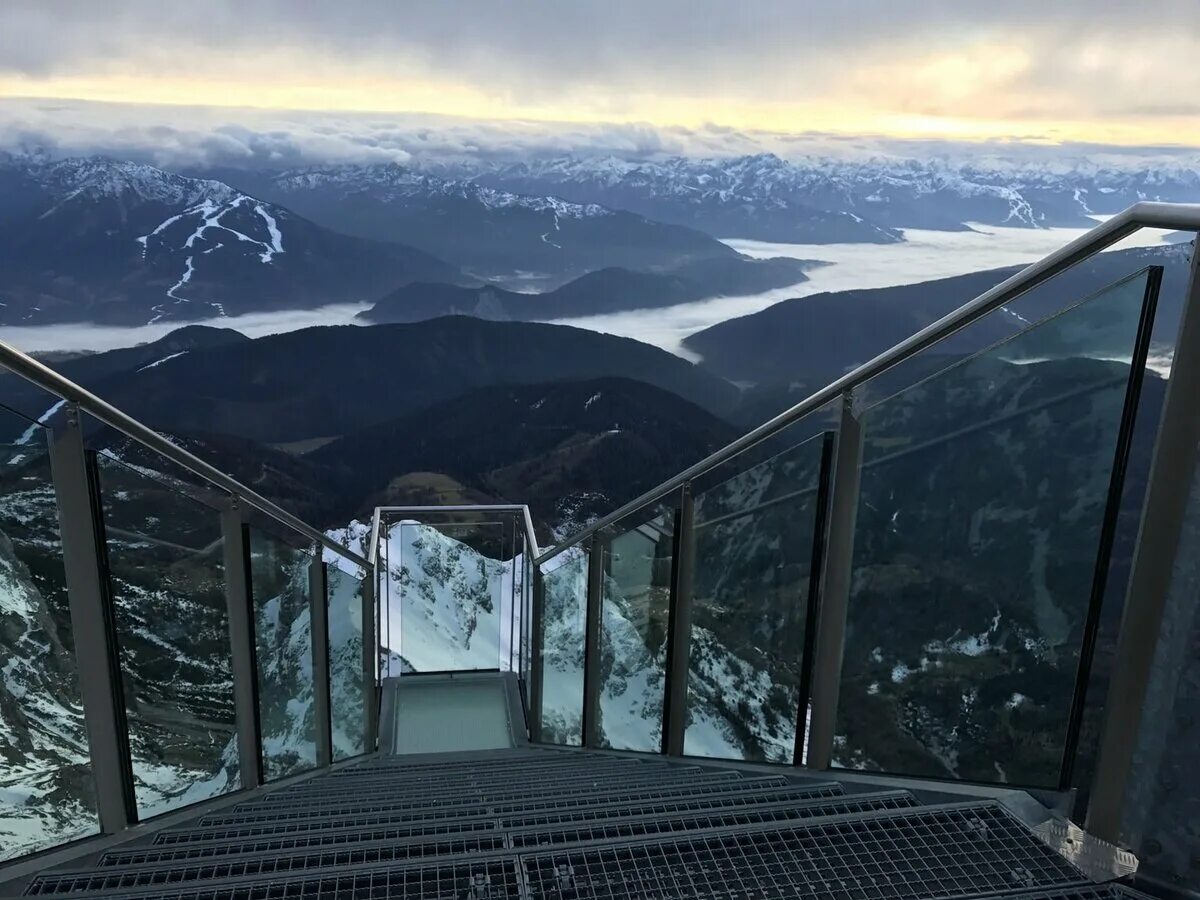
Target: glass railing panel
756	538
280	592
564	618
1161	812
984	491
509	600
636	598
347	690
47	794
166	571
449	582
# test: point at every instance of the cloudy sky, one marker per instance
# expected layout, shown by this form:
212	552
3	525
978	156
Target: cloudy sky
636	72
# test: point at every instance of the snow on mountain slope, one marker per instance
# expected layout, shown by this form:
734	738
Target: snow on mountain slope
823	200
103	240
391	183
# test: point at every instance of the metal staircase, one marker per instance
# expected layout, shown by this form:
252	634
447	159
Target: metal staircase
557	823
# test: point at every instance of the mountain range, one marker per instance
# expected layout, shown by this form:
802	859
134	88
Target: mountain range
828	200
497	235
120	243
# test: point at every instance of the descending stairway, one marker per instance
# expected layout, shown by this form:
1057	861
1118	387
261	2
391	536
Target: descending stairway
542	823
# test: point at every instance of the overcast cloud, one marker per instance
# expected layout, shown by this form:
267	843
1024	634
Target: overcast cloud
1019	68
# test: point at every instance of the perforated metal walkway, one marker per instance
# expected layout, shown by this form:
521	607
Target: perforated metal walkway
540	823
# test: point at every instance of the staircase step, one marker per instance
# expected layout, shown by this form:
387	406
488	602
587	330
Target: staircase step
632	827
493	879
954	850
617	819
482	790
496	804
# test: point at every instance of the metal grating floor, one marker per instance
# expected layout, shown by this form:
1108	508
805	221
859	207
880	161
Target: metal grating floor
974	849
534	824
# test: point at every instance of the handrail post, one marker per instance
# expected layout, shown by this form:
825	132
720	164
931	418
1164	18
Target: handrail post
319	634
1171	471
238	604
679	625
835	590
536	625
369	655
813	611
591	643
96	653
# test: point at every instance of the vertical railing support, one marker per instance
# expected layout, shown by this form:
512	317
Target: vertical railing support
535	654
241	644
1171	471
591	643
812	613
679	625
369	655
835	588
319	633
96	654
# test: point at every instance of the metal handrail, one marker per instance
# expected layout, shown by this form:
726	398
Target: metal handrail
1146	214
46	378
377	516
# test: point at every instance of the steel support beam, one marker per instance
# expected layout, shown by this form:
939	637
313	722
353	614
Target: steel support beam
591	643
679	625
1171	473
97	657
241	644
369	657
835	588
318	607
812	613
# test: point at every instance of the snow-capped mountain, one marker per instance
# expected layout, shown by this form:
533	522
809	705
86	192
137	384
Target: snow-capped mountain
497	234
824	200
118	242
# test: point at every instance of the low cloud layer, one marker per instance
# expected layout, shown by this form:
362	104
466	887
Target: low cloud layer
184	137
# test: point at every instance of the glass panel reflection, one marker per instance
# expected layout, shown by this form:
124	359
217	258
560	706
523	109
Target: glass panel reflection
755	538
279	587
346	686
47	795
983	494
636	596
564	613
449	583
167	577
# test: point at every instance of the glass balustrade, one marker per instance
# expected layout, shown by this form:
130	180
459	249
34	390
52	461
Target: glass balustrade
635	595
1161	820
758	538
447	583
564	613
167	579
984	493
280	593
47	793
347	691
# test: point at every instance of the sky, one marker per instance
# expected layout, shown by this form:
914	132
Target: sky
695	73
